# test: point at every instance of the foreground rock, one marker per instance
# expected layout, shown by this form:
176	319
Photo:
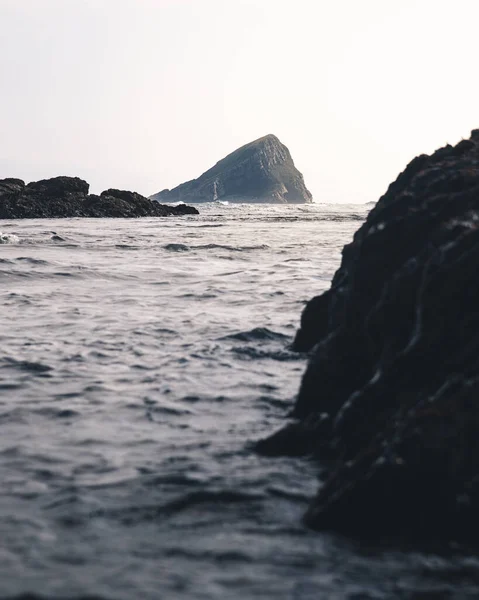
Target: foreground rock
68	197
391	393
261	171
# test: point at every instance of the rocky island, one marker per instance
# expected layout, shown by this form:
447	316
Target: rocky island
261	171
68	197
389	402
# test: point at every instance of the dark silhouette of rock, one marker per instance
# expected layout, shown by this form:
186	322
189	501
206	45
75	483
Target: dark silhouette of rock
58	187
68	197
390	397
261	171
11	185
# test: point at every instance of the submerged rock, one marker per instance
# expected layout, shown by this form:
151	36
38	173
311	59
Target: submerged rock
261	171
68	197
390	396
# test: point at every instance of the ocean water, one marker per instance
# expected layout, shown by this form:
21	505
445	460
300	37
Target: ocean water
139	361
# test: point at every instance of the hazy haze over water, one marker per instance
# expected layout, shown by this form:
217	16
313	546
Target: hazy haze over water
145	94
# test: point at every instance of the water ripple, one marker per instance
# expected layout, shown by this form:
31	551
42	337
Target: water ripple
137	371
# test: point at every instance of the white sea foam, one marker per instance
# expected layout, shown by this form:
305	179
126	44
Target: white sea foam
9	238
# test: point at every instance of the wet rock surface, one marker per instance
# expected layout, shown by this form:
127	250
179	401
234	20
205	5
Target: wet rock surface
390	397
261	171
68	197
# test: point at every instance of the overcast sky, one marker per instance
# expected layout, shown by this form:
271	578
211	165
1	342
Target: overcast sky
146	94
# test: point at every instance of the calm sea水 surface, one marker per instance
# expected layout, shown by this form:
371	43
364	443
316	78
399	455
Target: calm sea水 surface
139	360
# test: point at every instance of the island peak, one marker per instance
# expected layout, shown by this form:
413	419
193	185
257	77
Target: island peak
260	171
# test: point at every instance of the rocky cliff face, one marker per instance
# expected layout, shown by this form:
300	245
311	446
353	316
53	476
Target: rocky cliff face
68	197
262	171
390	397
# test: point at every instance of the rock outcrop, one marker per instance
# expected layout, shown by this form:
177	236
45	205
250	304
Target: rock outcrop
69	197
261	171
390	397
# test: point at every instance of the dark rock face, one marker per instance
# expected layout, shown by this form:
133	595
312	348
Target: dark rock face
261	171
11	185
68	197
391	393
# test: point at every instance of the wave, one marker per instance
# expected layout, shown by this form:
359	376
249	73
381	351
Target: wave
174	247
35	596
29	268
9	238
14	298
177	247
25	365
183	502
252	353
209	555
34	241
233	248
257	334
32	261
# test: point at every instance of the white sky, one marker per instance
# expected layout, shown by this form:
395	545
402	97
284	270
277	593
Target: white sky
146	94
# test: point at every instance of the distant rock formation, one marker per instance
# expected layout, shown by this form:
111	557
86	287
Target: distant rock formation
390	398
261	171
68	197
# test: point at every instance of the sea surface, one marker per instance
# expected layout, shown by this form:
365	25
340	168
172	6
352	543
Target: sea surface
139	360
